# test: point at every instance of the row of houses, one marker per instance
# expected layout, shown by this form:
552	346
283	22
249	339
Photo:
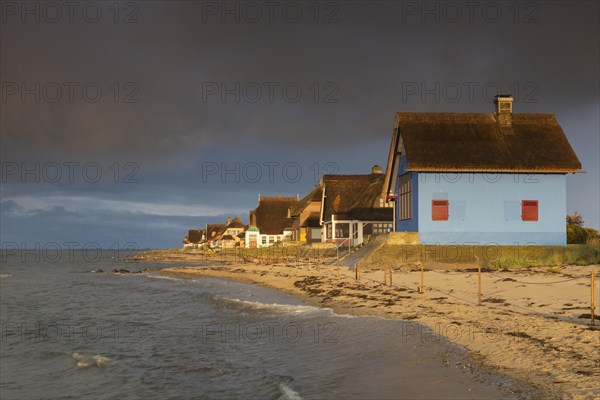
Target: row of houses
450	179
340	208
227	235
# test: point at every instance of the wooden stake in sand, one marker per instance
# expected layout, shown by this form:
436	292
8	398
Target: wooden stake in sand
592	300
421	289
391	271
479	284
384	276
356	271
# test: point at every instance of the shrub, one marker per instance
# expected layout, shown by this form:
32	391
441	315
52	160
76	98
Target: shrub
576	232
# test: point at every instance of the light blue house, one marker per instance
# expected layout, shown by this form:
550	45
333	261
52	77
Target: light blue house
480	178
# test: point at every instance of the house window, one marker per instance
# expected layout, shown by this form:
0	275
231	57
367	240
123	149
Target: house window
264	240
342	230
271	239
381	228
529	210
405	196
439	210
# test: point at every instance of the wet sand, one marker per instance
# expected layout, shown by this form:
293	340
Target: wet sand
528	326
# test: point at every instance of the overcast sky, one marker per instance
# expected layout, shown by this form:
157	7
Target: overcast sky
135	123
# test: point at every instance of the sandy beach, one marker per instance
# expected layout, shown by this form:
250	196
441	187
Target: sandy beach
532	325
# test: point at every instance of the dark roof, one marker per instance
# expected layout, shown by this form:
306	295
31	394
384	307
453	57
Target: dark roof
218	230
194	236
315	195
368	214
236	223
353	195
313	221
271	214
476	142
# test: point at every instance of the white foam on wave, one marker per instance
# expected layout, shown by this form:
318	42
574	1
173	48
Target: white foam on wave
5	276
287	393
167	278
287	308
83	361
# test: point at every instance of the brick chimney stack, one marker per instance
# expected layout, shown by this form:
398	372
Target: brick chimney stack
503	106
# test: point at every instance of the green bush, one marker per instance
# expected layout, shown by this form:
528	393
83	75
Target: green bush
576	234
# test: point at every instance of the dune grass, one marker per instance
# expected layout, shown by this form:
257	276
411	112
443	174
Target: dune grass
491	257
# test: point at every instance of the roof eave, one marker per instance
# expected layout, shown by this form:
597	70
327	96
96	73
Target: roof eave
499	170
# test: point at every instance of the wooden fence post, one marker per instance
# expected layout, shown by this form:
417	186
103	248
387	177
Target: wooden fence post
421	288
479	284
592	299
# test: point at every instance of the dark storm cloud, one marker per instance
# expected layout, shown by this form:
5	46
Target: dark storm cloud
170	56
163	76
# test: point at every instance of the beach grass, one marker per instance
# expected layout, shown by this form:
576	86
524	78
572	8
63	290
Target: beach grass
491	257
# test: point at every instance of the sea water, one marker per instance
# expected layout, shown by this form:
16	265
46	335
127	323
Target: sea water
68	332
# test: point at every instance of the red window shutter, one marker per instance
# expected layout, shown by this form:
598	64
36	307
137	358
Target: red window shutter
529	210
439	210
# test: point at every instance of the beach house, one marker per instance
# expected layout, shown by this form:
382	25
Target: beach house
480	178
306	216
354	208
231	232
194	238
269	222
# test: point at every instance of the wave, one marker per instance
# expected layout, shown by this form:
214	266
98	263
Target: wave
167	278
257	305
83	361
286	308
5	276
287	393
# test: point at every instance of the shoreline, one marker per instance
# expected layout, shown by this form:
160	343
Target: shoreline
557	357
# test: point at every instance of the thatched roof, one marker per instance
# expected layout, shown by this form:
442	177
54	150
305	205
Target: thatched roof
236	223
476	142
313	221
194	235
368	214
315	195
354	197
214	231
271	214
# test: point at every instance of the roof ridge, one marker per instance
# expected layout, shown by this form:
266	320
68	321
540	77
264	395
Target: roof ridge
278	198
